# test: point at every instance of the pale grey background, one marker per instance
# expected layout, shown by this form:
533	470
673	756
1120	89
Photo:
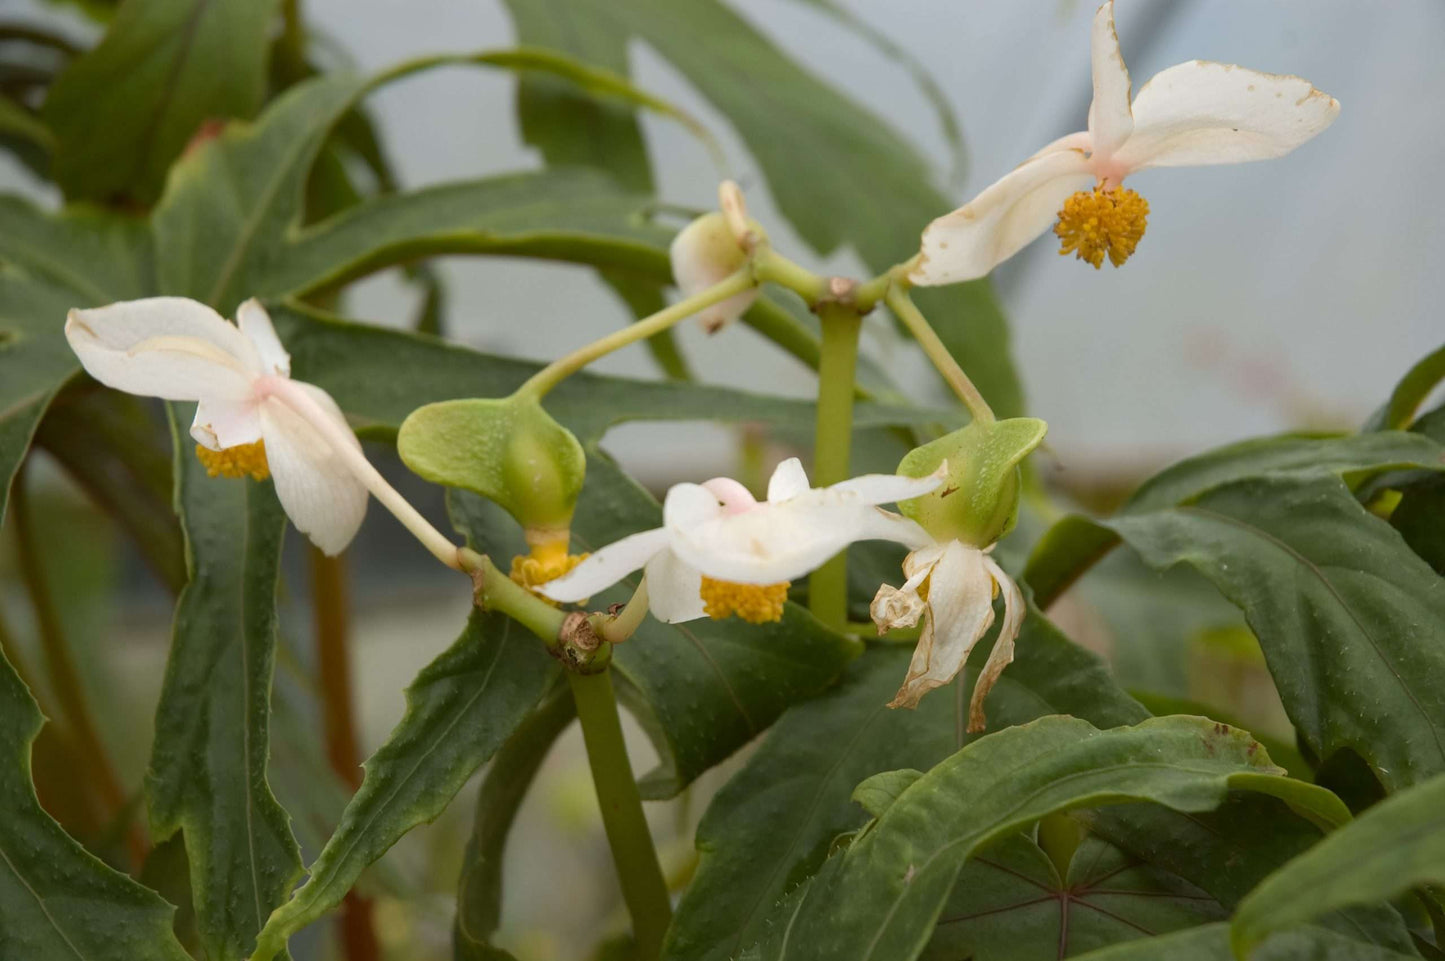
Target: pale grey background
1264	296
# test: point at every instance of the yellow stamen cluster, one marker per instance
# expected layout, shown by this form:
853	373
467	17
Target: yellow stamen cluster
1102	221
754	603
236	461
533	570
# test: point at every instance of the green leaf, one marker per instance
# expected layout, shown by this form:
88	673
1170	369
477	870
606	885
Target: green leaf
1010	902
380	376
881	896
57	901
1074	544
814	145
16	121
221	226
460	709
47	266
1296	454
1409	394
1351	622
1228	851
1211	943
1394	846
772	825
124	111
111	444
479	891
207	773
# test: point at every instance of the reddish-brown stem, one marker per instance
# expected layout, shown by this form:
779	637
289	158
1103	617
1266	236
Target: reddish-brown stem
333	668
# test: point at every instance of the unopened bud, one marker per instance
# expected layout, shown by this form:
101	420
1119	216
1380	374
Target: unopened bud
713	247
509	450
979	501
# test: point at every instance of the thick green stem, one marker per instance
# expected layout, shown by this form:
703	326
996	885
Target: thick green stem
554	373
828	588
633	854
903	308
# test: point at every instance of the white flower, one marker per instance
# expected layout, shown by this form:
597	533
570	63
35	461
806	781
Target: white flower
1191	114
722	552
952	586
251	417
709	250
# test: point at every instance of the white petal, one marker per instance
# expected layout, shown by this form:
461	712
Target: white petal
255	323
689	505
788	481
1110	120
960	611
166	347
321	496
996	224
674	590
1002	655
1217	113
123	325
606	567
781	542
220	424
705	253
892	488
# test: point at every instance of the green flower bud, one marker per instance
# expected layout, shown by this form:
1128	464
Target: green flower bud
509	450
979	501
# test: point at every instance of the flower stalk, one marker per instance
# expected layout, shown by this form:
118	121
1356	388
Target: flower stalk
540	383
338	436
906	311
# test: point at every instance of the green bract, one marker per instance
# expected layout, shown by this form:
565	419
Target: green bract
509	450
979	501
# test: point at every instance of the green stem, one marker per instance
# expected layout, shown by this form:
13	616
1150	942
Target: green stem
59	664
554	373
828	588
616	628
498	592
772	267
903	308
633	854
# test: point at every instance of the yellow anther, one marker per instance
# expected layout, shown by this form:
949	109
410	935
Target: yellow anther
1102	221
236	461
542	565
754	603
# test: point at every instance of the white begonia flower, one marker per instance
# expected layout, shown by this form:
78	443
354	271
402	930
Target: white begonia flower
712	248
251	417
951	586
1191	114
721	552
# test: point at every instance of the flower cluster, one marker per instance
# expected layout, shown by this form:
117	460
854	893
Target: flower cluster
720	552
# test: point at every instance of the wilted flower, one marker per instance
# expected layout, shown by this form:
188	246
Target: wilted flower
710	249
1191	114
251	417
721	552
952	587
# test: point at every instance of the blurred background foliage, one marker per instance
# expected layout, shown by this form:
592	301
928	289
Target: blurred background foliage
1203	338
